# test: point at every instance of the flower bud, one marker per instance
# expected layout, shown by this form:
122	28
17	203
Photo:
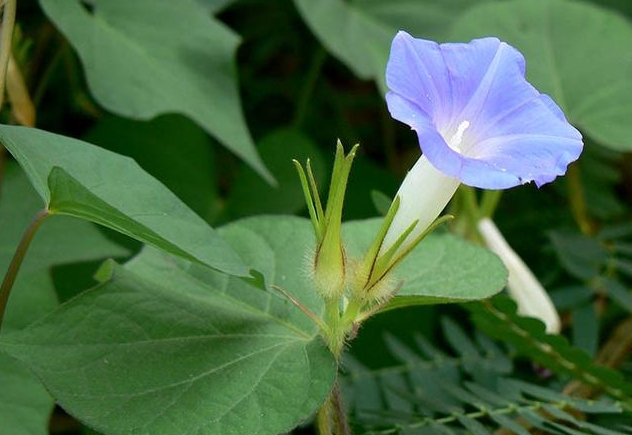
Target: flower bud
523	286
329	265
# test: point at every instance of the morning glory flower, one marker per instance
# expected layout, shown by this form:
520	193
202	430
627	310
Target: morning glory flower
522	285
478	121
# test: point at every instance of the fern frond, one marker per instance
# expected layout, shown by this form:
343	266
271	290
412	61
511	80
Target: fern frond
498	317
432	392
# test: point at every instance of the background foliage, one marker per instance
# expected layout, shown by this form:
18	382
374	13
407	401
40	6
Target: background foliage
214	98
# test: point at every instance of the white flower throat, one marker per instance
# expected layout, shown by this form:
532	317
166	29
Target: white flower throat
455	141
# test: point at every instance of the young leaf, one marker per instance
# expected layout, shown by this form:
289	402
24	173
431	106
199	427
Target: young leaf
140	64
79	179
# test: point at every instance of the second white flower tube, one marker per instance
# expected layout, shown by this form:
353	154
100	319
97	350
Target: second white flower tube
523	286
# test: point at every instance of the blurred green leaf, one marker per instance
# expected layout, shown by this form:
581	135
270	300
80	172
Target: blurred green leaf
576	52
581	256
600	175
25	405
571	296
82	180
365	177
586	329
618	293
140	63
215	6
443	268
359	32
172	149
381	202
166	345
250	195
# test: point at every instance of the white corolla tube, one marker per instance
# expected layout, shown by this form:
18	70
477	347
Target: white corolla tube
523	286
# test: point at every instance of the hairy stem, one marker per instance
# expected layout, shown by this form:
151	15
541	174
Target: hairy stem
8	20
332	416
16	261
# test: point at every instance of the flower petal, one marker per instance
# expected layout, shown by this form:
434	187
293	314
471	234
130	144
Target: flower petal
476	116
416	70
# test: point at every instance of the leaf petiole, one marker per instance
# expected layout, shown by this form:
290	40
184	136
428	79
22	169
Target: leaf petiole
16	261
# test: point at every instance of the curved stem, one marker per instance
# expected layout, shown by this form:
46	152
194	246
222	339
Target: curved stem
8	20
16	261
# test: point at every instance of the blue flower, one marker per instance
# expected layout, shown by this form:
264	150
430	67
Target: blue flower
476	116
479	122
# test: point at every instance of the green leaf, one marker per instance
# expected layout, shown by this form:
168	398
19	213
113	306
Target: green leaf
166	346
250	195
381	201
140	63
443	268
359	32
82	180
172	149
581	256
555	36
215	6
25	405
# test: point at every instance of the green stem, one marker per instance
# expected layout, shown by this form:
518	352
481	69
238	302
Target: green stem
304	99
490	201
471	209
331	418
578	201
3	161
45	78
16	261
389	141
8	20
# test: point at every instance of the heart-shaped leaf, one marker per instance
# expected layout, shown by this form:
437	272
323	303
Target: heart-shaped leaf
166	346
